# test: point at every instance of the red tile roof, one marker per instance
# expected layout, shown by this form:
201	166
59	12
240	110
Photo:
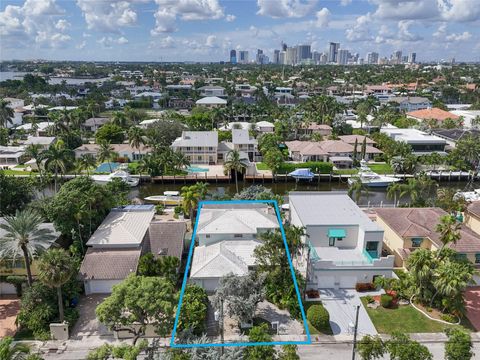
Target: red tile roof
433	113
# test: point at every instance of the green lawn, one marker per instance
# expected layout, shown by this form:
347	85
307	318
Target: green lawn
381	168
262	166
404	319
16	172
345	171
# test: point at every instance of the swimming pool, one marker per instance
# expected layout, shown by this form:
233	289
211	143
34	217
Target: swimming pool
105	167
194	169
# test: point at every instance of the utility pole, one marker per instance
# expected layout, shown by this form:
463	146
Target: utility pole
355	333
221	327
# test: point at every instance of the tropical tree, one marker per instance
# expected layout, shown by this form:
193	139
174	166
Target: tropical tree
459	345
191	195
55	268
358	189
106	153
6	113
449	231
34	151
234	163
86	162
421	266
11	351
23	235
401	347
120	119
179	160
135	137
149	164
57	157
451	278
448	200
393	191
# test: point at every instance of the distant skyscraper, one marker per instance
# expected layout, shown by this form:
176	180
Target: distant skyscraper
284	46
323	58
291	56
303	52
282	57
243	57
276	56
412	58
233	56
342	57
316	57
259	56
372	58
397	57
333	51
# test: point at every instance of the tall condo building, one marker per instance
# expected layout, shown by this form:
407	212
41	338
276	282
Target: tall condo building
291	56
333	52
342	57
276	56
233	56
243	57
397	57
304	52
412	58
372	58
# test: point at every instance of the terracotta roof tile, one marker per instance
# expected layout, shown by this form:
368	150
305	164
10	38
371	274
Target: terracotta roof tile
433	113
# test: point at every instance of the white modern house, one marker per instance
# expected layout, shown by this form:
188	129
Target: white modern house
265	126
344	246
226	238
421	142
200	147
11	156
212	90
244	143
211	102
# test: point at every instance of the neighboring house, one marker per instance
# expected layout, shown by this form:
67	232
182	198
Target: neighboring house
344	245
244	143
472	216
11	156
43	141
17	106
155	96
211	102
280	90
421	142
227	236
115	248
468	116
42	128
265	126
411	103
166	238
123	150
212	90
179	90
351	139
451	136
322	129
94	123
408	229
200	147
16	266
431	114
245	89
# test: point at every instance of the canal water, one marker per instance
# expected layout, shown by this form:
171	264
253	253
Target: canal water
375	197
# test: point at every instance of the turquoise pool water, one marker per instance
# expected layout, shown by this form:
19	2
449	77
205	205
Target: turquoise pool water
105	167
194	169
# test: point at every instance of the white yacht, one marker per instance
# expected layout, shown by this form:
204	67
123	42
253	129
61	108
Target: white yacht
119	174
469	195
172	198
372	179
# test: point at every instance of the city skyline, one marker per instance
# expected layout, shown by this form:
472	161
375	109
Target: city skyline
207	30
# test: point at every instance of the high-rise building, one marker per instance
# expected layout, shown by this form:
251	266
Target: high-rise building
372	58
276	56
259	56
304	52
243	57
316	57
333	52
342	57
284	46
323	58
291	56
412	58
282	57
397	57
233	56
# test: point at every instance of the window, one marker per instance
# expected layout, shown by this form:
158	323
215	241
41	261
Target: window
207	236
416	242
477	258
331	241
237	235
461	256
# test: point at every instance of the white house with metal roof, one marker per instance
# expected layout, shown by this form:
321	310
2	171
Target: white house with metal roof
227	236
211	102
344	245
200	147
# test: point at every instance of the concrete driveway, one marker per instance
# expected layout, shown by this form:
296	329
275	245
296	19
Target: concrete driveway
88	324
472	304
341	304
9	308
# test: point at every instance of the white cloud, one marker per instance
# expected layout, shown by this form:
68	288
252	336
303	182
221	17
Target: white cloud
442	35
345	2
360	30
406	9
169	10
108	41
459	10
81	45
33	23
211	41
122	40
459	37
404	32
230	18
108	16
323	17
285	8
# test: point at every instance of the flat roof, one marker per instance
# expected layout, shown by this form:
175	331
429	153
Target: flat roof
412	136
329	208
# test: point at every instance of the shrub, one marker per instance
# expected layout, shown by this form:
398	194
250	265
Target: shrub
318	317
449	318
313	293
18	282
361	287
369	299
386	301
159	209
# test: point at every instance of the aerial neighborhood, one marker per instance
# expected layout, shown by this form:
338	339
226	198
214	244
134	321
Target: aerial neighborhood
152	209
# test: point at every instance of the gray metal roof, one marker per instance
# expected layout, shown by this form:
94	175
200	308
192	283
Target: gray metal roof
329	208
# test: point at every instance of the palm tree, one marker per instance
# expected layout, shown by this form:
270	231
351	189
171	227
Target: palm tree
55	268
180	160
34	151
6	113
234	163
106	153
190	200
451	279
119	118
357	188
393	190
135	138
24	235
449	231
150	165
421	264
86	162
10	351
58	157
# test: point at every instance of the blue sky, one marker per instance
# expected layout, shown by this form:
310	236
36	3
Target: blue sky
205	30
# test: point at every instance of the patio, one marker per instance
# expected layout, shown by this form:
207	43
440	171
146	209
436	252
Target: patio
9	308
472	304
